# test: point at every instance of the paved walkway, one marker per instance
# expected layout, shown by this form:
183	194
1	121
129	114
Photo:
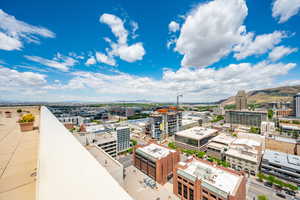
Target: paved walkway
18	157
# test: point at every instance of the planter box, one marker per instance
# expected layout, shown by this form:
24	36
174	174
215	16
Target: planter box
27	126
7	114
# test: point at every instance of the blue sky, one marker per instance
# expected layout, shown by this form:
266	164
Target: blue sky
129	50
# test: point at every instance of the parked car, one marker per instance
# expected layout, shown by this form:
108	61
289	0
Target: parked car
268	184
280	195
290	192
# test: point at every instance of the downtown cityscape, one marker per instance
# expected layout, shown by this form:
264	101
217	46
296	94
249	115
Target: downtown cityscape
150	100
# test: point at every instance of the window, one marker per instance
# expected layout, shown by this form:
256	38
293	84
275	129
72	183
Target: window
179	188
185	191
191	194
204	198
204	191
213	196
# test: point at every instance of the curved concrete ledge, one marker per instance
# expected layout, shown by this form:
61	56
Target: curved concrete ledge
66	170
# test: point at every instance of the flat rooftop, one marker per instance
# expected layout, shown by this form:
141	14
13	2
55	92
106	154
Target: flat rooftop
221	181
18	156
283	159
248	142
216	145
95	128
154	151
105	137
244	153
197	133
223	139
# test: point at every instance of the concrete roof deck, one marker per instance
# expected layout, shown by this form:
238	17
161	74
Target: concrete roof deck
18	157
197	133
224	181
155	151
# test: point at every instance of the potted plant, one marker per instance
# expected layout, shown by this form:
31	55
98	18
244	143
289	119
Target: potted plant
26	122
7	114
19	111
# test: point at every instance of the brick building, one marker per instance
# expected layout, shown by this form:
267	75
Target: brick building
199	179
156	161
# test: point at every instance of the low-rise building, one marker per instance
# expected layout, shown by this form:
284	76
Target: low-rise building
245	117
219	145
195	138
93	128
284	112
282	165
244	155
156	161
199	179
107	142
283	144
267	128
76	120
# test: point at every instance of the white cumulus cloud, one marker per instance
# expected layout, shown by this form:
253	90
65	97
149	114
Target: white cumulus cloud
14	80
260	45
285	9
90	61
59	61
13	32
102	58
197	84
281	51
121	48
173	26
210	31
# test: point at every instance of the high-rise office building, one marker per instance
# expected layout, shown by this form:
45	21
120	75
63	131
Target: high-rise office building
246	118
241	100
296	105
165	122
123	138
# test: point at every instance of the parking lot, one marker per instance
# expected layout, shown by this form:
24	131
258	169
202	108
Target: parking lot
135	185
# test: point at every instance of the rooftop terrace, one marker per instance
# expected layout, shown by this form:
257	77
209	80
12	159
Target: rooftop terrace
18	157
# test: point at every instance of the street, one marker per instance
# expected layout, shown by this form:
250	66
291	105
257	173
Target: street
255	188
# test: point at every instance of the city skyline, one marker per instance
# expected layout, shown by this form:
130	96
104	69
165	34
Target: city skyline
109	51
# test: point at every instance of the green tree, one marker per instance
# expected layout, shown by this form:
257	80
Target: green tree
172	145
254	130
260	176
200	154
262	197
270	114
134	142
271	179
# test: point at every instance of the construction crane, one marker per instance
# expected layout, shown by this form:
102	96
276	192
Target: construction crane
177	103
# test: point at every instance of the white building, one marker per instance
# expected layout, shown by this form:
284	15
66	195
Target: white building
76	120
194	138
267	128
244	155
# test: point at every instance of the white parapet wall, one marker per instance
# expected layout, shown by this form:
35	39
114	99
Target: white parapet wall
66	170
